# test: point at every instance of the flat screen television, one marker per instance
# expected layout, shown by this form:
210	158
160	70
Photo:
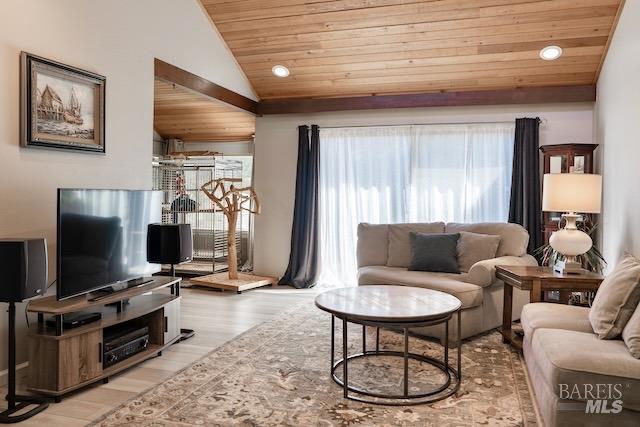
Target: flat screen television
102	238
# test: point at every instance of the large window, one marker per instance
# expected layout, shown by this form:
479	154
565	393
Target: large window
450	173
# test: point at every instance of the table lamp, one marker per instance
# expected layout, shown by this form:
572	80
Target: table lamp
571	193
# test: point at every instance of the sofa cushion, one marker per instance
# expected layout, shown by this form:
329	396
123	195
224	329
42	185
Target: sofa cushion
616	299
399	245
541	315
579	359
434	252
474	247
631	333
513	237
468	293
373	244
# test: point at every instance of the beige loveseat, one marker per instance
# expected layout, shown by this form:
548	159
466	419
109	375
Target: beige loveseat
568	364
384	254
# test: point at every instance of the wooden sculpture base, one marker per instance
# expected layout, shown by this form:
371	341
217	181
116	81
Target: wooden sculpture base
242	283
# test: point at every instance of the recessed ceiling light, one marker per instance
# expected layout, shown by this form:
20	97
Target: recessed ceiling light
550	53
280	71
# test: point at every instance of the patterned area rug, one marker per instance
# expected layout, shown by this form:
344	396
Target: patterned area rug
277	374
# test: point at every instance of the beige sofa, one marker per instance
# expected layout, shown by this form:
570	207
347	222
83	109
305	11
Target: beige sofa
561	350
384	254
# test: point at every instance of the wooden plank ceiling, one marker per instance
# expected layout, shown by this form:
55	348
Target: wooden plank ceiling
181	113
372	47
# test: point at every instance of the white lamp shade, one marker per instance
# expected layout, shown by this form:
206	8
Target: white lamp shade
572	192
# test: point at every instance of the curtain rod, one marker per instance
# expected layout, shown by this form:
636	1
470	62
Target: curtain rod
542	121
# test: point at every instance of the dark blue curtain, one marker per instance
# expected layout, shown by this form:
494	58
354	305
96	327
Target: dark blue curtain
525	206
302	271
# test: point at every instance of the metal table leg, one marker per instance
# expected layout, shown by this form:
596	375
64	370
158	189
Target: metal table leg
333	339
459	346
406	362
345	358
446	346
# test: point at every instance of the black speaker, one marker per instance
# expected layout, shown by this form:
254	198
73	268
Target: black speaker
23	263
169	243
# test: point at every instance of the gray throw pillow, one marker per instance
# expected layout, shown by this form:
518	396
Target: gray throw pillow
616	299
400	244
474	247
631	334
434	252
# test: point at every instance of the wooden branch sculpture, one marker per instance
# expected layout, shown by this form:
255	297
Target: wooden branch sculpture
231	202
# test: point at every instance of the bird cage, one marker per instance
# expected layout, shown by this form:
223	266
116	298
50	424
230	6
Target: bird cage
185	203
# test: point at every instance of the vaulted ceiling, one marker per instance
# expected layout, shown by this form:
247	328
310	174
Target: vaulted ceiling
373	47
184	114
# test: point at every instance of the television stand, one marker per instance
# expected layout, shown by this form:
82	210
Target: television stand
62	360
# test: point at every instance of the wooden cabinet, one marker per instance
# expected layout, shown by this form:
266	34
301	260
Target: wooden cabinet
80	359
64	360
564	158
59	364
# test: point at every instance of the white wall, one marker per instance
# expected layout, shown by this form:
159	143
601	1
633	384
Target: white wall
276	156
617	116
118	39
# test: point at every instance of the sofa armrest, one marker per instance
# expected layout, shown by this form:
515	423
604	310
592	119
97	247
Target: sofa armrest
483	273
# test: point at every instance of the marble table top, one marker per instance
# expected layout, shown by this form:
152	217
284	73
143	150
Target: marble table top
388	303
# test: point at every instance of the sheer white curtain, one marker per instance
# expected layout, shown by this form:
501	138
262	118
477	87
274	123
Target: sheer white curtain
461	173
364	177
451	173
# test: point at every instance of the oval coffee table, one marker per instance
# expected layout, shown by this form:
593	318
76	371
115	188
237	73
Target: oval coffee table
398	308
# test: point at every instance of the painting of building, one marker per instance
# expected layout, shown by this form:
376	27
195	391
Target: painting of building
62	106
50	105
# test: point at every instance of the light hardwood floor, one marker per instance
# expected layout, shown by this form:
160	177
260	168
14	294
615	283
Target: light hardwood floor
217	318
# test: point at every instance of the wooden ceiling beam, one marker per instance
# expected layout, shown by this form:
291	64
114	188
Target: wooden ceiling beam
528	95
172	74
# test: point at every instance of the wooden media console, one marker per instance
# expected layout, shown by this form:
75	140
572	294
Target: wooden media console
62	360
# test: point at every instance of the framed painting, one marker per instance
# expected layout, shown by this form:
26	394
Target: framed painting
61	107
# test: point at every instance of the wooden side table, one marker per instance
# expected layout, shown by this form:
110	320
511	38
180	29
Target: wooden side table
538	280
